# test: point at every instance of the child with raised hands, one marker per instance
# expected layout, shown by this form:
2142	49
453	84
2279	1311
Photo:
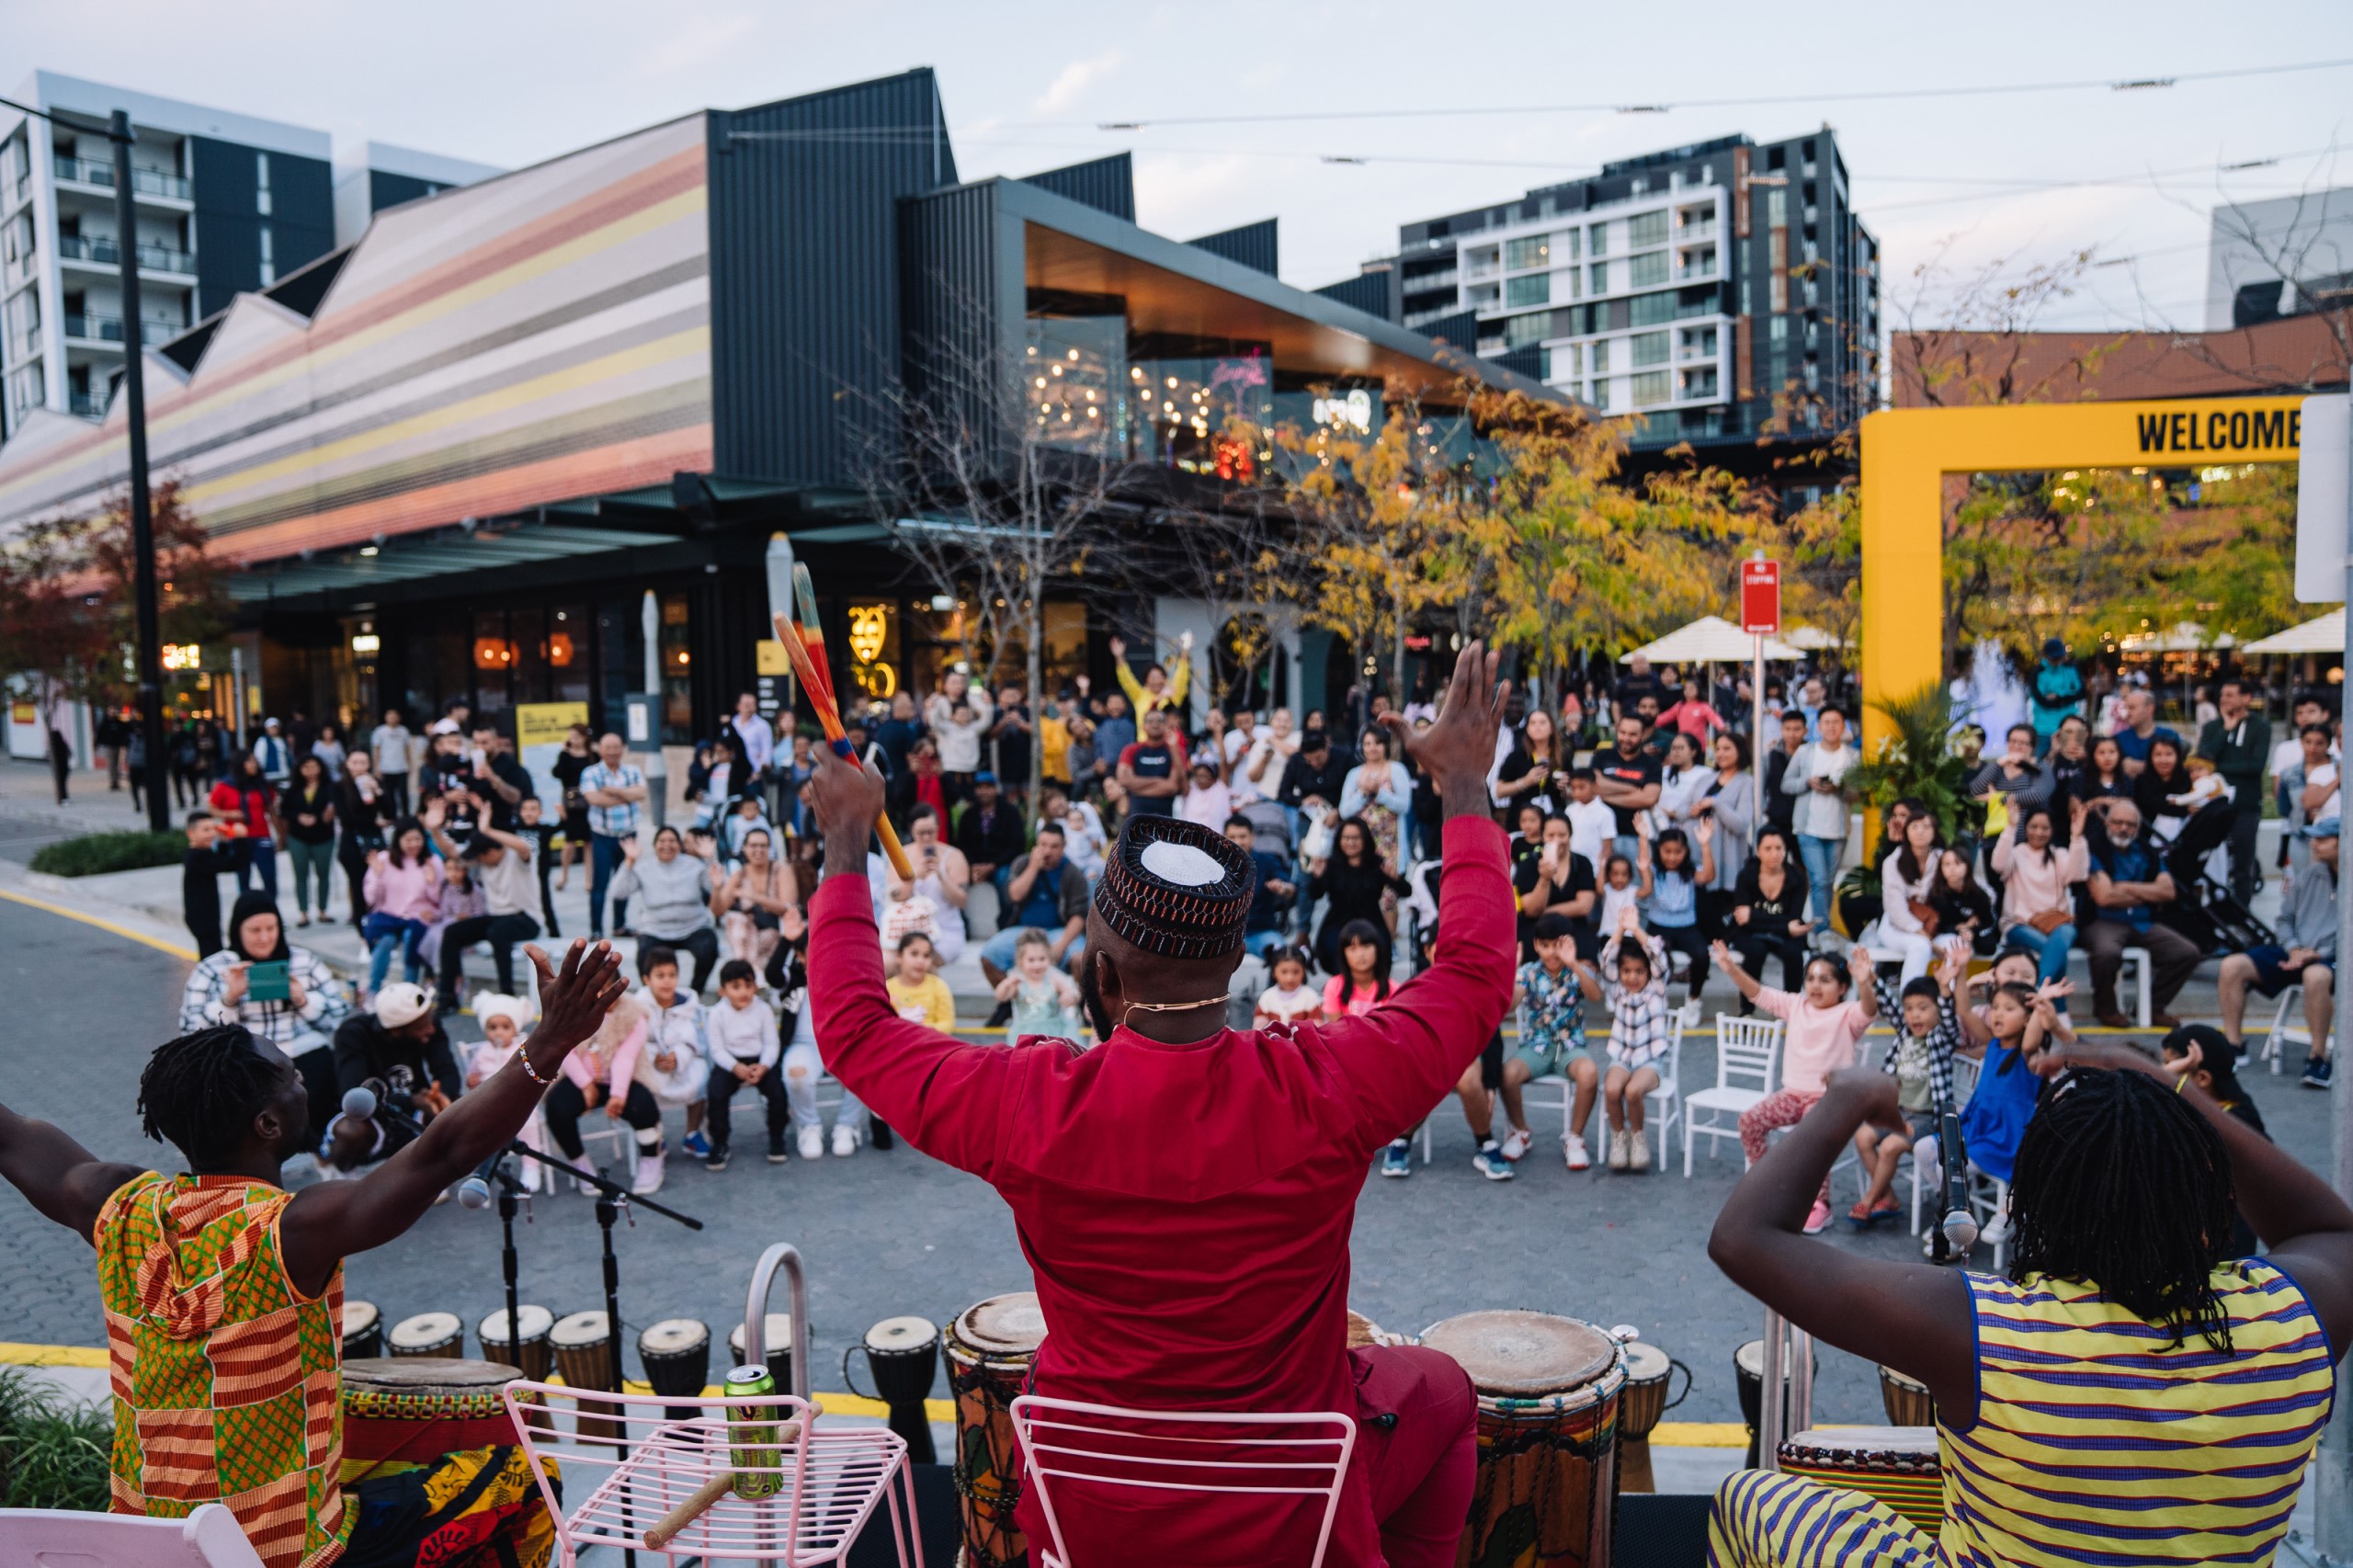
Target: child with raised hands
1044	999
1822	1029
1551	995
1641	1031
1927	1035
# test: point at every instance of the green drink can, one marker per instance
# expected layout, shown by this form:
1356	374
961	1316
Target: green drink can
752	1445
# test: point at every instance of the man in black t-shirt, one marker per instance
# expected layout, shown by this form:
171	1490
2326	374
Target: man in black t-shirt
1314	773
1152	771
1627	777
1654	737
1556	881
1778	803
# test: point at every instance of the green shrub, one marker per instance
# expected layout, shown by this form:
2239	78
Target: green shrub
53	1451
94	854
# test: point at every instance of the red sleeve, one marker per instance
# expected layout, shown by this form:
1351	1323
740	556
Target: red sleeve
1126	755
946	1097
1402	1057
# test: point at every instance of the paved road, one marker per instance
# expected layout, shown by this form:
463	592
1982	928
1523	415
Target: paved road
895	1232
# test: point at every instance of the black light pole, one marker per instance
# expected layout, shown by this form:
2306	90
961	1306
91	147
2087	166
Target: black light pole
143	520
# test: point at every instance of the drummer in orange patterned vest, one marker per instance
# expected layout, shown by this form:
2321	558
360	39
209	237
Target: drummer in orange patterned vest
223	1294
1185	1191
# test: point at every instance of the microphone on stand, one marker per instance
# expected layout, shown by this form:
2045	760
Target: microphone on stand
361	1102
1960	1226
474	1192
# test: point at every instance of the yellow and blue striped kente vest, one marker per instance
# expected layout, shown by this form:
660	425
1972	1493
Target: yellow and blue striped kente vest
2099	1441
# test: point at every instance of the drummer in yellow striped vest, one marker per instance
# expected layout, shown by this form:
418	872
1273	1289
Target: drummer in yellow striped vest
224	1293
2128	1394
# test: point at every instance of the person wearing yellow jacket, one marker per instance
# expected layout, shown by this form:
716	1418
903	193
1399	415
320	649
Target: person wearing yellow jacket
1158	689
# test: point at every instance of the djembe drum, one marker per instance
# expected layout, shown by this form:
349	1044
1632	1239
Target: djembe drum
676	1353
1549	1397
430	1335
990	1348
1908	1400
1649	1369
582	1344
402	1411
904	1354
776	1333
1898	1465
529	1350
363	1330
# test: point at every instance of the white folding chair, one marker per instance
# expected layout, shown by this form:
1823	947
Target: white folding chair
2291	1004
2136	964
624	1139
1748	1060
1067	1440
208	1538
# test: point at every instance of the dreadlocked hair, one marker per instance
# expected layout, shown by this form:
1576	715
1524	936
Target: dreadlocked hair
201	1092
2120	1186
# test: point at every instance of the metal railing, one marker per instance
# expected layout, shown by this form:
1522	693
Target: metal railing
86	405
102	248
92	328
143	182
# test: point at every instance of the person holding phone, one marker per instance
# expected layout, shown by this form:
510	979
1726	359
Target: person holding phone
280	993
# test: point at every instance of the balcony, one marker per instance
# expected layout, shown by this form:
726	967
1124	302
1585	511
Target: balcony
87	329
86	405
143	182
102	249
1705	229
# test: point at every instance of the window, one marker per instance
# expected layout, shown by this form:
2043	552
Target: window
1646	229
261	184
1600	271
1480	261
1484	296
1533	327
1567	240
1601	396
1652	386
1597	239
1698	341
1700	382
1654	310
1566	283
1532	250
1647	271
1601	358
1648	348
1533	290
1777	209
1780	330
268	255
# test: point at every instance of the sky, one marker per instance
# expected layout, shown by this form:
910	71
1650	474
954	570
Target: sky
1951	182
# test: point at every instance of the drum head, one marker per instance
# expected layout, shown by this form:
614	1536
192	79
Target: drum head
901	1336
1010	1324
424	1329
1646	1363
776	1329
531	1322
410	1375
358	1317
1900	1380
673	1337
579	1328
1916	1440
1523	1354
1750	1359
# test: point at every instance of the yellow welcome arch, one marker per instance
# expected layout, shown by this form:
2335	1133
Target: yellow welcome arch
1906	452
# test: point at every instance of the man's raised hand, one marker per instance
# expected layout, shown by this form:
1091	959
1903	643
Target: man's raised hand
574	1002
1462	744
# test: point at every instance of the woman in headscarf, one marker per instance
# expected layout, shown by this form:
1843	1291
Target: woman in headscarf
299	1018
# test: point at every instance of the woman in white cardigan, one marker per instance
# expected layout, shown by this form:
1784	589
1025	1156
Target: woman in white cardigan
1905	880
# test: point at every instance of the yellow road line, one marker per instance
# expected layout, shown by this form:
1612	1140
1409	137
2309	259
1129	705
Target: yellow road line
1700	1435
51	1355
125	932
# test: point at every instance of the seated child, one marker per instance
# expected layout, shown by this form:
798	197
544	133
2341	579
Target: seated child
675	1062
1620	892
1994	1121
2206	786
2207	1057
1551	995
740	1033
1289	1000
1363	982
604	1073
1641	1031
1822	1029
1921	1063
1045	1000
501	1019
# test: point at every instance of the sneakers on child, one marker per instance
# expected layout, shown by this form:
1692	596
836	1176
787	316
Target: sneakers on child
1490	1163
1397	1160
1515	1143
649	1172
1638	1154
717	1159
1619	1150
1578	1159
1997	1229
844	1140
776	1149
697	1144
1690	1014
813	1143
2317	1072
1818	1219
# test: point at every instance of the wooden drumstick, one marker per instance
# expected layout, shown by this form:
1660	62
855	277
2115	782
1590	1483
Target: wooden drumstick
698	1503
821	697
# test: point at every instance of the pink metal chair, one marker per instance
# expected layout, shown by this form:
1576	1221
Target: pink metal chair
209	1537
1103	1444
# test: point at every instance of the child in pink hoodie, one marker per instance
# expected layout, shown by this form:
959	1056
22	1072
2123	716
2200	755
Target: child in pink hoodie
1822	1030
603	1072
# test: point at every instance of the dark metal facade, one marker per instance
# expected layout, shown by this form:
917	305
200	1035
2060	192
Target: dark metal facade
804	275
1107	185
1252	245
226	181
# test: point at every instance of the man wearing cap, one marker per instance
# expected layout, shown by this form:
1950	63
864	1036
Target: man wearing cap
1185	1191
400	1046
2306	954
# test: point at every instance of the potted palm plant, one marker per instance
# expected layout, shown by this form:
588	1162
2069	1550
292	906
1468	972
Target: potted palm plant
1913	760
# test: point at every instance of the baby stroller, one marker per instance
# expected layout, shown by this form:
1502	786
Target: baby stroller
2204	909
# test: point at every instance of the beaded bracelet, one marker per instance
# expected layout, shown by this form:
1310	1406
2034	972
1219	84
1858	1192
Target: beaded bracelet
525	1058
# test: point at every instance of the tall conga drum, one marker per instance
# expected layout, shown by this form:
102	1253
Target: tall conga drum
427	1335
1549	1397
1908	1400
776	1330
676	1353
1748	1374
363	1330
904	1354
413	1410
529	1350
1649	1371
582	1344
990	1348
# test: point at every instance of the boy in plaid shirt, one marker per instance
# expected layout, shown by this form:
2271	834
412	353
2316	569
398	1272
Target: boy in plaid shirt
1640	1034
1551	995
1927	1033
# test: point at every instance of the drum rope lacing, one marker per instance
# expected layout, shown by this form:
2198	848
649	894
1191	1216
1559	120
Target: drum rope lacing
991	1483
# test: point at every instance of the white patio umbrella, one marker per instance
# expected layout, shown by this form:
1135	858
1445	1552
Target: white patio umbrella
2322	635
1708	639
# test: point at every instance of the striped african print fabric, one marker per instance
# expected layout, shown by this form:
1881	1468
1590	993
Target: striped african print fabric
226	1380
2097	1440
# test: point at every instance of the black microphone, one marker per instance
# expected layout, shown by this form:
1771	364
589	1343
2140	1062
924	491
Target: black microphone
1959	1227
474	1191
361	1102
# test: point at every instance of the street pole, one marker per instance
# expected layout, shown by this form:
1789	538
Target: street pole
143	520
1756	743
2333	1501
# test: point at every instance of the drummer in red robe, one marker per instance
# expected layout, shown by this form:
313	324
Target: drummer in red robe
1185	1191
